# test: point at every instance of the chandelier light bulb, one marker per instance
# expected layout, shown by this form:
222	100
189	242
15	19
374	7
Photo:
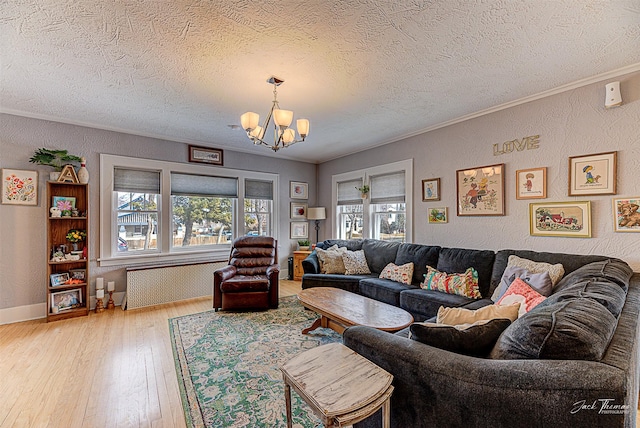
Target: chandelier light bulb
249	120
303	127
258	132
282	118
288	136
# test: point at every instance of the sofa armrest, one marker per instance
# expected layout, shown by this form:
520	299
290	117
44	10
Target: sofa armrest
273	272
438	388
311	264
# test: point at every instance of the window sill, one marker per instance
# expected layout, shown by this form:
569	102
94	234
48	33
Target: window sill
219	254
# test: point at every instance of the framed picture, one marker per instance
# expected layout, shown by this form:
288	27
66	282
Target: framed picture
65	300
299	229
19	187
298	210
64	203
431	189
626	217
299	190
531	183
80	274
205	155
480	191
58	279
593	174
570	219
438	215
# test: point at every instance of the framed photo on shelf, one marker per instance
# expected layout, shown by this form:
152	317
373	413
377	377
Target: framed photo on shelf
480	191
65	300
58	279
64	203
19	187
299	210
568	219
593	174
626	217
299	230
431	189
438	215
205	155
531	183
80	274
298	190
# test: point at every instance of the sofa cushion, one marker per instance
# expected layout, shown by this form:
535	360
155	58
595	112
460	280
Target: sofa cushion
456	316
379	253
355	263
421	256
349	244
402	274
383	290
541	282
424	304
575	329
469	339
556	271
331	259
520	292
458	260
614	270
462	284
344	282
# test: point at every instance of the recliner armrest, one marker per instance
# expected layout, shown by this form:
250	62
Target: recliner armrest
224	274
273	270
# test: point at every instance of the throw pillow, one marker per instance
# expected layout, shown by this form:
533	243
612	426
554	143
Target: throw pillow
541	282
403	274
355	263
556	271
457	316
331	259
475	339
462	284
520	292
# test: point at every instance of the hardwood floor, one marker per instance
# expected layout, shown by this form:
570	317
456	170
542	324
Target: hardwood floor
113	369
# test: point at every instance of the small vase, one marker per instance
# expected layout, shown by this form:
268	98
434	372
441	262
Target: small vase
75	246
83	173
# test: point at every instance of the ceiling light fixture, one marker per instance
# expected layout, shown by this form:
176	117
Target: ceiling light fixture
283	136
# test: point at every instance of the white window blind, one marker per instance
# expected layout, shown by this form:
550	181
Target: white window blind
348	194
258	189
136	180
387	188
203	185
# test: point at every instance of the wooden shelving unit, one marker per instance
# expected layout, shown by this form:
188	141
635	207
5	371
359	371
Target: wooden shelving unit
76	296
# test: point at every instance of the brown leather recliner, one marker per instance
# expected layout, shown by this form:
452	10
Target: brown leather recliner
250	281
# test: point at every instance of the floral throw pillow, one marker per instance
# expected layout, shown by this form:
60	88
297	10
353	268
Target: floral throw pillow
331	259
402	274
462	284
355	263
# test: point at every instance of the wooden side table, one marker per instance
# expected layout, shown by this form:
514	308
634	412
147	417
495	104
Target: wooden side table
340	386
298	257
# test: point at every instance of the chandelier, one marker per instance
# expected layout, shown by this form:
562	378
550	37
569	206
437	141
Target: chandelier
283	136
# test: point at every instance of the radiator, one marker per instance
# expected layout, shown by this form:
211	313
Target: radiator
149	286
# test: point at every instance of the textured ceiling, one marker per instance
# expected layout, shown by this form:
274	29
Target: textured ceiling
365	72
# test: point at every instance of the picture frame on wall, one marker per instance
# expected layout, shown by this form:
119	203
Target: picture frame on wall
298	190
626	217
299	230
206	155
19	187
299	210
531	183
437	215
431	189
594	174
566	219
480	191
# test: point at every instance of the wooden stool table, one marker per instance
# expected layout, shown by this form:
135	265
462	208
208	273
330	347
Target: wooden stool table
341	386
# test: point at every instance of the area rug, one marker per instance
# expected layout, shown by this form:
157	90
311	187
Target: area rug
228	365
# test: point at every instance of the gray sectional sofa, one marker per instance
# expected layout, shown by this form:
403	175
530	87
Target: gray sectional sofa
571	361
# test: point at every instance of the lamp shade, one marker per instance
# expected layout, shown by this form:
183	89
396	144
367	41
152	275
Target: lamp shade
249	120
258	132
303	127
316	213
282	118
288	135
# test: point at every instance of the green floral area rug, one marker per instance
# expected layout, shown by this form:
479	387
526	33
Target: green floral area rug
228	365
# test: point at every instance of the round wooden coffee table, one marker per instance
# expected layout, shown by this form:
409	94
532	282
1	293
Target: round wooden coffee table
339	309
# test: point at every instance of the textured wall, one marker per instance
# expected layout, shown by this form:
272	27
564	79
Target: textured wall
569	124
23	242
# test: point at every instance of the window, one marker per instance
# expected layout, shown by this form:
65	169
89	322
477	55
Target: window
156	211
382	214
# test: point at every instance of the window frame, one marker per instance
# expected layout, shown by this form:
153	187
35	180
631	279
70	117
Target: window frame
367	212
108	254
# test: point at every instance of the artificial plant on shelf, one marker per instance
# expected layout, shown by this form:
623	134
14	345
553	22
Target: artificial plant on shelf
54	158
304	244
364	191
74	236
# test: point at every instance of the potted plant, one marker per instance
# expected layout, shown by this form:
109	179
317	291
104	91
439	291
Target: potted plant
364	191
54	158
304	244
